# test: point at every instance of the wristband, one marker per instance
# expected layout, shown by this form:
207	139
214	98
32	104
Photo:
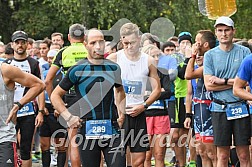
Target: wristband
189	115
193	56
226	81
71	116
20	106
42	111
146	105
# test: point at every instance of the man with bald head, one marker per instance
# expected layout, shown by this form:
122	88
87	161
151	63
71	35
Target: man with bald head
95	79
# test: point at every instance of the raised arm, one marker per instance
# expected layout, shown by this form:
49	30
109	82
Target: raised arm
192	73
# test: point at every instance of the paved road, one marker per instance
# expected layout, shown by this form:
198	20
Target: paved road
168	157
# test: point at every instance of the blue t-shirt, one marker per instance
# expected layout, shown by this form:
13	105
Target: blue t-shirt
169	63
224	64
245	70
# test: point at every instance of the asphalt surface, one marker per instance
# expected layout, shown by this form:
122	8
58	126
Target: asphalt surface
168	157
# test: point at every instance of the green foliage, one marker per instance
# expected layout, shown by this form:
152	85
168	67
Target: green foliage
39	18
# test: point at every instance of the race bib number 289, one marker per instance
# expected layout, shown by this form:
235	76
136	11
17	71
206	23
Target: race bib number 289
97	129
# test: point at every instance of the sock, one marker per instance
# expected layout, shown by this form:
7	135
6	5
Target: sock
199	161
61	159
46	158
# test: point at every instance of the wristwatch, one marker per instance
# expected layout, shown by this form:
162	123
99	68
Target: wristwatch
145	105
20	106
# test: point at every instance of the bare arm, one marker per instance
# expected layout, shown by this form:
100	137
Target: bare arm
121	103
155	83
239	89
213	83
189	96
156	89
49	79
112	57
59	105
13	74
191	73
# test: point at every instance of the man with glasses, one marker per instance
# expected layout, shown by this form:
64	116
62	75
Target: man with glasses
137	68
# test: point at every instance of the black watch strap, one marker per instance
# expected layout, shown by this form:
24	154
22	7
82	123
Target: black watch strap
20	106
226	81
145	105
189	115
42	111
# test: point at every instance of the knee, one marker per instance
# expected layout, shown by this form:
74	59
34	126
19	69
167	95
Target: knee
211	155
139	161
243	157
175	137
148	156
44	146
223	156
202	153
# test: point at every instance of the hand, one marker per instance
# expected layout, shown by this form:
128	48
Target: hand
216	80
46	111
39	119
195	49
120	121
74	122
249	103
188	51
187	123
56	113
13	114
136	110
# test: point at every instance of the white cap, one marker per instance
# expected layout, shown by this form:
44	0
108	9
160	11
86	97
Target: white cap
52	53
224	20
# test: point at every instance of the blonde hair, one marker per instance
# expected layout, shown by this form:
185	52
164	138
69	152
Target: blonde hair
128	29
147	48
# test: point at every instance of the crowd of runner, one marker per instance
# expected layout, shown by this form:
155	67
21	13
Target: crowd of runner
96	102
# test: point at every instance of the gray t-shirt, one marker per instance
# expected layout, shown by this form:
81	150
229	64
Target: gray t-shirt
224	64
7	131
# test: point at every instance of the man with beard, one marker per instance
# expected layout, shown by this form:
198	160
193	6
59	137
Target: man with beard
26	120
197	94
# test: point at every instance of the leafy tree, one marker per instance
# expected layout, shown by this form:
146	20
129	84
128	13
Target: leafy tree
39	18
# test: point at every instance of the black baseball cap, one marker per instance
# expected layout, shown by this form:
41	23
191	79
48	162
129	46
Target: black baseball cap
19	35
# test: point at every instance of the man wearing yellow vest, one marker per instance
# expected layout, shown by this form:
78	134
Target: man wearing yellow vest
67	57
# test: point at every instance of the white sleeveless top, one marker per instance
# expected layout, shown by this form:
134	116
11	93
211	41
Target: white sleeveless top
134	76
